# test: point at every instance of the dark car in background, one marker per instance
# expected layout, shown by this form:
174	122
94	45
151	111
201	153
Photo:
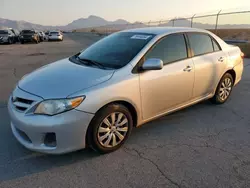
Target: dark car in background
29	36
7	36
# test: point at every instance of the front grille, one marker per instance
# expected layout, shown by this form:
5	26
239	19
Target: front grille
27	37
21	104
26	101
21	108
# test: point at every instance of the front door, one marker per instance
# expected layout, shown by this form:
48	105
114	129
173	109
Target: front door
164	89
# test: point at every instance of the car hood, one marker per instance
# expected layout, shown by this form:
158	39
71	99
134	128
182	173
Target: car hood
62	78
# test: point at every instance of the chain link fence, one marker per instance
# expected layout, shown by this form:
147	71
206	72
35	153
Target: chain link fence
226	24
232	26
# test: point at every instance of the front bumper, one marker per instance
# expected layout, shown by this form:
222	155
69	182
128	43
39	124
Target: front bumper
3	40
69	128
28	39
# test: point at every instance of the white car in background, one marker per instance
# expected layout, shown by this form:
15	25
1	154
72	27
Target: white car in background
55	35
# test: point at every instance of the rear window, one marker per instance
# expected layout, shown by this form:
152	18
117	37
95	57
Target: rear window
54	33
28	32
3	32
216	46
200	43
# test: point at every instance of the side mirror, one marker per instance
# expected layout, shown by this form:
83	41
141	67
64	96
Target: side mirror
152	64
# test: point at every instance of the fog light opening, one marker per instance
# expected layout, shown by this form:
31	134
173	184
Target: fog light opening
50	140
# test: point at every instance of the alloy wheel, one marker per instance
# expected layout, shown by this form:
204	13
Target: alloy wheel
112	130
225	89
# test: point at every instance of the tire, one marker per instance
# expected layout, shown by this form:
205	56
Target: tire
22	42
105	139
223	90
10	41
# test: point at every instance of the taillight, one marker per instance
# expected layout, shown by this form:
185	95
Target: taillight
242	55
58	35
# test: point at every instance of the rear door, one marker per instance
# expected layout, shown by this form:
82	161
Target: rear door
165	89
209	61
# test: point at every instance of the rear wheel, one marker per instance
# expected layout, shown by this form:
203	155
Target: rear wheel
224	89
110	128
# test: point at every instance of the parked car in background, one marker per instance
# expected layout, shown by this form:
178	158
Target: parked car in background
29	36
97	96
42	36
7	36
16	35
46	34
55	35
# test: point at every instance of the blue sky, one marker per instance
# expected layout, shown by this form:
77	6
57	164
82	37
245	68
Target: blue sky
60	12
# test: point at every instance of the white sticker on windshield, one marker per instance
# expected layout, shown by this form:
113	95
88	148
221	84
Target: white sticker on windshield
141	37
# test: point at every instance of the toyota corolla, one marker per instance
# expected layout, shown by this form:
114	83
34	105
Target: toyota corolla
97	96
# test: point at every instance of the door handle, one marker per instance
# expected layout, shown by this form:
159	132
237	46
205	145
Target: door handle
187	69
221	59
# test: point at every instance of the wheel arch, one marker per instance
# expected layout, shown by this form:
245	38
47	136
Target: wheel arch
233	74
230	71
129	105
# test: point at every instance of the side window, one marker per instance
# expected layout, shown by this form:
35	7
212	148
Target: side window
200	43
172	48
215	45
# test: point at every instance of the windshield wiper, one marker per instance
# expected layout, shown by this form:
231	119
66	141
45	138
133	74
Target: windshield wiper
91	62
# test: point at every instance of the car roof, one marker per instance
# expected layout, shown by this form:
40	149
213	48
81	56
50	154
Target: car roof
164	30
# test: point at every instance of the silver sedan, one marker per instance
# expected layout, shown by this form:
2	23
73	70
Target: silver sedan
97	96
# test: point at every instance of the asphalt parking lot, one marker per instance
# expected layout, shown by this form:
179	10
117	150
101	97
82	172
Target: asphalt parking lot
201	146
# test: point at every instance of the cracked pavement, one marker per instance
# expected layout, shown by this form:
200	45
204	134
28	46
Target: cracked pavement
203	146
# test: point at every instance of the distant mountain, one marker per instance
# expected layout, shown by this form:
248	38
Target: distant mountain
95	22
6	23
91	21
182	22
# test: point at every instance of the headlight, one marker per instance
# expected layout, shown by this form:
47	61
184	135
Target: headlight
53	107
21	36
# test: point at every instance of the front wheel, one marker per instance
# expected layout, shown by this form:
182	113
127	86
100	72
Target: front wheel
10	41
224	89
110	128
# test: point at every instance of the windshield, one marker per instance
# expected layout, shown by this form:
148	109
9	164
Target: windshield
117	50
28	32
54	33
3	32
